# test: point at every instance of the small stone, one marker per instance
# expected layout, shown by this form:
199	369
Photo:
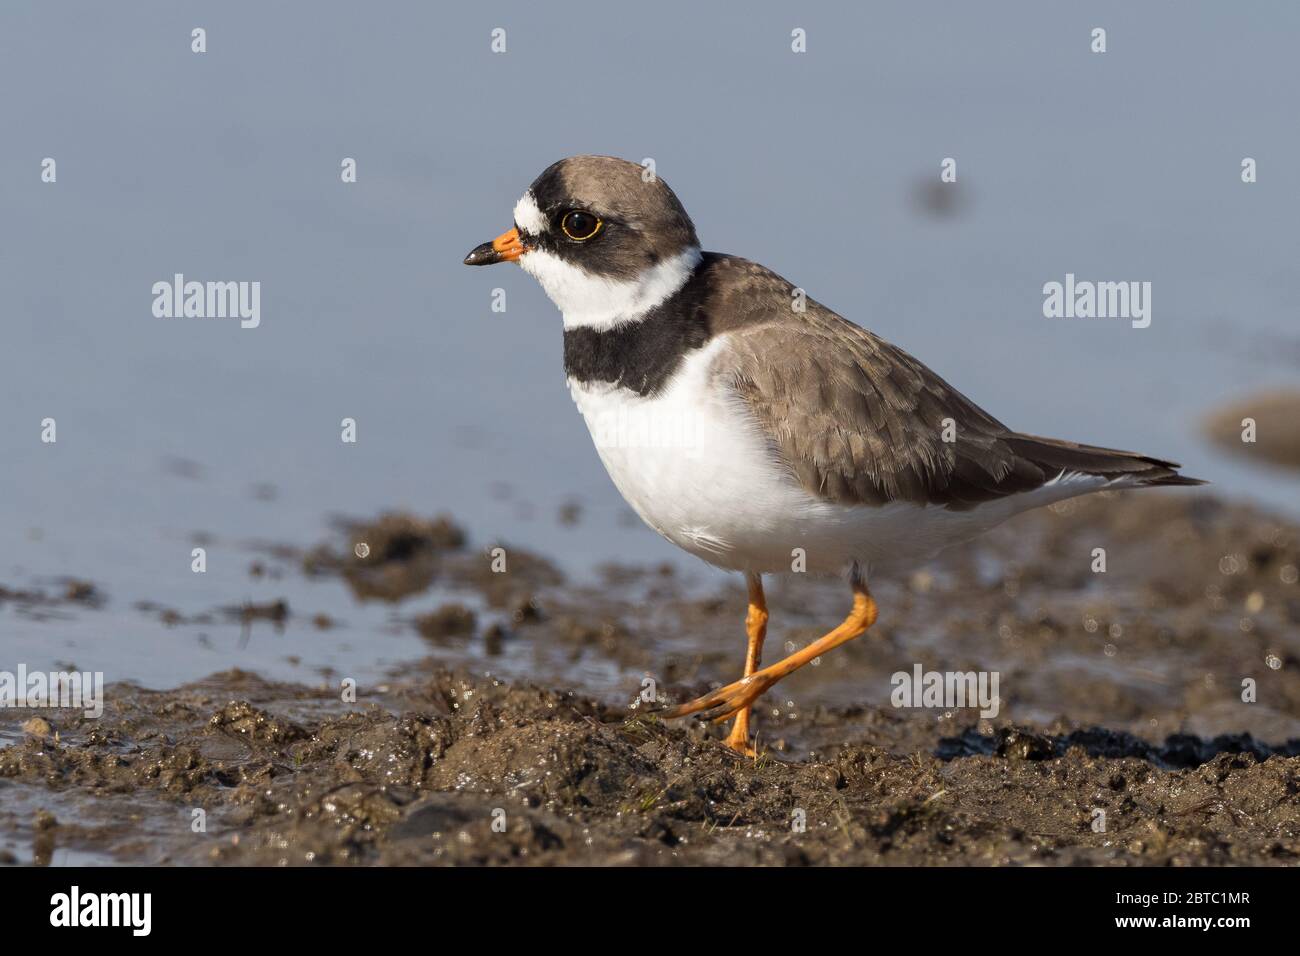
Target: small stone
38	727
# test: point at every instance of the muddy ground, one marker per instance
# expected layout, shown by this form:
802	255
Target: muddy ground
1149	715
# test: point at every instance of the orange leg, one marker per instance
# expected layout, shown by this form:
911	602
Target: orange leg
740	696
756	628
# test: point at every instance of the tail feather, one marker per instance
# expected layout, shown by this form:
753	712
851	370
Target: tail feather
1128	467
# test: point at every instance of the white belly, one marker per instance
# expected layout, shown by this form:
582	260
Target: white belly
697	468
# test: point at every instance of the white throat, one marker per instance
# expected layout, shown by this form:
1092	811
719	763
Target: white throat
597	302
591	301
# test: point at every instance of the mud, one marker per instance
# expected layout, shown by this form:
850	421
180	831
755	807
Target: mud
1149	715
1274	436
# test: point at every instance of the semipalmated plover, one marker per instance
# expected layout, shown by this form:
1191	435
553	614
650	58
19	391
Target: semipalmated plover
756	428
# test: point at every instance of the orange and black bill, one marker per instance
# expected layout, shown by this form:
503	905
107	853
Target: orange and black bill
506	247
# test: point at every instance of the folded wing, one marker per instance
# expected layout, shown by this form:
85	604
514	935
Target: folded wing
859	421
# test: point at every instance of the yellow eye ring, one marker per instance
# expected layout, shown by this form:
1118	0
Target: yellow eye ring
580	226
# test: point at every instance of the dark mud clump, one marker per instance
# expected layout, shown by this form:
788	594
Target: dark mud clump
399	555
1271	422
450	620
39	604
390	558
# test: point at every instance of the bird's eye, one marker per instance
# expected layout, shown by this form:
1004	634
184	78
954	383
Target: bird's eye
580	226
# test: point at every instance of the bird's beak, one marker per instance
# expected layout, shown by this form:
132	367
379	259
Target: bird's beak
506	247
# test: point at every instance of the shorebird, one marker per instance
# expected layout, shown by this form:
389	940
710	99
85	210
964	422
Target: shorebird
754	427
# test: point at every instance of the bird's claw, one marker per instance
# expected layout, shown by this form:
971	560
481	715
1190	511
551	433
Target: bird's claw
724	702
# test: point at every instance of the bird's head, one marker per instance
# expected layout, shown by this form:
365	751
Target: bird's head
606	238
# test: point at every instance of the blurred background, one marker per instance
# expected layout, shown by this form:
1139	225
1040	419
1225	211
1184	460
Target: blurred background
822	165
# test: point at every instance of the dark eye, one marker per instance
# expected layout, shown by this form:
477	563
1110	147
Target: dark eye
580	226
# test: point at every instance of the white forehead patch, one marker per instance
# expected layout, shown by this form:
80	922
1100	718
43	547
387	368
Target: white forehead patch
527	216
597	302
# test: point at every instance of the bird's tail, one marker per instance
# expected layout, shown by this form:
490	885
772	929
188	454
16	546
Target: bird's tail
1124	468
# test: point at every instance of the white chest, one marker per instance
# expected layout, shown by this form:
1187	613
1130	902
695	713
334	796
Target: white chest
693	466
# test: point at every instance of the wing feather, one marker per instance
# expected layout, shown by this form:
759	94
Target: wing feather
859	421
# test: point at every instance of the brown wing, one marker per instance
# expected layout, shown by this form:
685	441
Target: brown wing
859	421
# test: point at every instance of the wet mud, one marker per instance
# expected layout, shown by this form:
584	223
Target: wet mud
1146	647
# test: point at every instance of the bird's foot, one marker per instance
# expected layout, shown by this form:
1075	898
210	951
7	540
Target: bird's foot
726	701
738	740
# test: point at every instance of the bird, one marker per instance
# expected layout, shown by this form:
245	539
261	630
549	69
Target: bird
756	428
